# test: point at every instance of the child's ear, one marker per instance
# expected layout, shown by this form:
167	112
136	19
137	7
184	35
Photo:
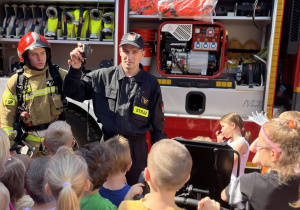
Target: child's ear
87	185
233	126
47	189
274	155
188	178
147	175
129	166
73	143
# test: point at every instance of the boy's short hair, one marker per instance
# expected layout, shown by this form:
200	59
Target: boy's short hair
58	134
170	164
35	180
4	197
99	162
120	153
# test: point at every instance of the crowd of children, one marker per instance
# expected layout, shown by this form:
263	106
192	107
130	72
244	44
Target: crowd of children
94	176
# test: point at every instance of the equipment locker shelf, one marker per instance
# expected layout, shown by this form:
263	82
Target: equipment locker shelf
60	48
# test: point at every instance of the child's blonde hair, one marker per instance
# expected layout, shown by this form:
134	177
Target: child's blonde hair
170	164
4	150
58	134
289	115
120	153
13	179
4	197
235	118
285	134
67	175
202	138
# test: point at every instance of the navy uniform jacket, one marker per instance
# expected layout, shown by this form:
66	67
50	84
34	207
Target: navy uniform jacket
123	105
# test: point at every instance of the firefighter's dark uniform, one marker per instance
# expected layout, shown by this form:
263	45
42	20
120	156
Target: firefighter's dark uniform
129	106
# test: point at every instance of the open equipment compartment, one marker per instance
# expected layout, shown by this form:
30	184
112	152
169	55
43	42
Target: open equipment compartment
191	49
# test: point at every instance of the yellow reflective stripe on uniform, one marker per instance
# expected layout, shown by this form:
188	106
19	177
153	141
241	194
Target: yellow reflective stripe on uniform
140	111
28	89
7	94
34	138
9	130
40	92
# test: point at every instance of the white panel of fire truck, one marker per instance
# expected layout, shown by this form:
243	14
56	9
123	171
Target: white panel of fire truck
217	101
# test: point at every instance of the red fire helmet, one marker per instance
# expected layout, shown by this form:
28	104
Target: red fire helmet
31	41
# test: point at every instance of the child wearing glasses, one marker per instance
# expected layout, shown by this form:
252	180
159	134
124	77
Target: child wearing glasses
278	147
232	127
288	115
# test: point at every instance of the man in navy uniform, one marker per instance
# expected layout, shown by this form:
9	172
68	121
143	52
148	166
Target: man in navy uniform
126	99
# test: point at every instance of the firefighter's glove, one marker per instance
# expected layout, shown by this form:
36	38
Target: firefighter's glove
259	118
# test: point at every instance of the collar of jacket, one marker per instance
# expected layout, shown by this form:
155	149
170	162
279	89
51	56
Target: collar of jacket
32	73
138	77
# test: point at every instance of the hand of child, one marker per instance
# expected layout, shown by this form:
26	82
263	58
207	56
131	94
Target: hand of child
136	189
220	136
208	204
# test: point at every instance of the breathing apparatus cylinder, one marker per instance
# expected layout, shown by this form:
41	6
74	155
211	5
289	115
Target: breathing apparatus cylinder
85	23
109	25
70	26
52	21
95	22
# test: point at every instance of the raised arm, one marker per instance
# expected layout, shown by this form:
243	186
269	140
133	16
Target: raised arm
76	85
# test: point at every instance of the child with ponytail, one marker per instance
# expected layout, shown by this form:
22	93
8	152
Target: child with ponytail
66	179
278	148
232	128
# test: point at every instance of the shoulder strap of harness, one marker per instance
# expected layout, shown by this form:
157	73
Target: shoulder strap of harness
21	84
58	82
54	71
20	135
55	74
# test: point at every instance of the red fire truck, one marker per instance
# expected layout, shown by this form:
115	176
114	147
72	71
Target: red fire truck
191	59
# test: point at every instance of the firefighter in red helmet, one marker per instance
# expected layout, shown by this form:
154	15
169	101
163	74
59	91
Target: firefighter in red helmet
33	97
